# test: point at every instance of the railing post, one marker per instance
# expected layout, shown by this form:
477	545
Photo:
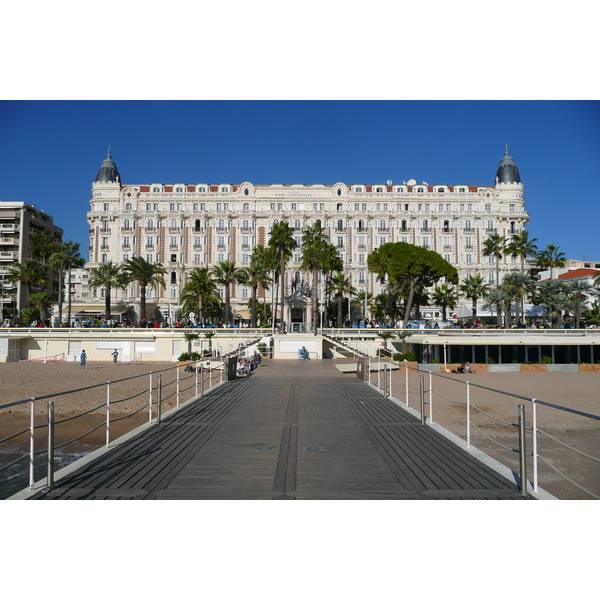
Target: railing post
378	372
159	398
32	445
107	413
468	415
391	395
406	386
150	403
177	404
522	451
422	397
534	442
431	396
201	382
50	460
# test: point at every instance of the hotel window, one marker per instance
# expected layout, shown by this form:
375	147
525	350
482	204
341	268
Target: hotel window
364	207
219	205
279	206
172	206
105	207
173	241
149	258
361	258
155	190
511	208
246	206
125	257
225	206
148	206
179	190
220	257
126	242
245	258
322	206
294	206
245	292
221	241
126	225
201	189
246	192
382	241
245	224
447	257
155	206
197	258
173	292
488	208
221	224
245	241
149	242
440	190
150	225
356	206
340	242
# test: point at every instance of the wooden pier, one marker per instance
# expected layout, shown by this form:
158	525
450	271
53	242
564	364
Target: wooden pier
290	430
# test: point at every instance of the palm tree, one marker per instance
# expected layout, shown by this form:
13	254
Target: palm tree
42	245
257	273
553	296
340	285
138	269
578	290
498	298
283	241
199	290
445	296
226	273
107	276
30	272
190	336
551	258
314	241
495	246
520	245
517	285
42	301
359	301
65	258
474	288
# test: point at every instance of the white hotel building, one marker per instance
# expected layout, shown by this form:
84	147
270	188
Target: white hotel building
185	226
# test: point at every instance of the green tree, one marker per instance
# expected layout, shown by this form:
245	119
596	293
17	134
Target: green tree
42	301
445	296
65	258
497	298
495	246
30	272
107	275
551	258
553	296
199	290
418	266
254	275
520	245
517	284
145	273
314	260
227	274
190	336
578	291
474	288
283	241
340	285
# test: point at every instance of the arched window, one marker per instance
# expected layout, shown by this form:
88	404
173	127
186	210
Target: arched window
446	226
404	226
339	192
339	206
179	190
246	206
513	227
361	225
155	189
128	206
201	189
173	277
340	225
197	226
379	190
246	192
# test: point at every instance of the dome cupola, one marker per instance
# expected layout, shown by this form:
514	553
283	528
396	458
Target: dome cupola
108	172
507	171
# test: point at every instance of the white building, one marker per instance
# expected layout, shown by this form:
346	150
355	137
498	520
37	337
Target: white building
184	226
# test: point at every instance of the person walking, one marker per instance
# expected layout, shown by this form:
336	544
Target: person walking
83	359
115	355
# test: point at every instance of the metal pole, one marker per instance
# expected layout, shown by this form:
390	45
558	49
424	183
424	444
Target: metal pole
422	396
468	415
391	395
431	396
159	398
107	413
201	381
50	461
150	403
177	386
196	378
32	444
406	385
522	451
535	455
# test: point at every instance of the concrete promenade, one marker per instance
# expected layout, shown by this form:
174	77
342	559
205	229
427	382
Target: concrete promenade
291	430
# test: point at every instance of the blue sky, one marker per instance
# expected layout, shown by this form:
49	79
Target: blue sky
50	151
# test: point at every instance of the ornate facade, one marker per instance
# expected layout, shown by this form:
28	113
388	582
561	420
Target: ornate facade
184	226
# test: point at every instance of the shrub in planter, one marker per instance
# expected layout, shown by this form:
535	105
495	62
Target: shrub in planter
262	348
546	360
184	357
